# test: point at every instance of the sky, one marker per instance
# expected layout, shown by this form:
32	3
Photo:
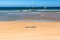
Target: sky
29	3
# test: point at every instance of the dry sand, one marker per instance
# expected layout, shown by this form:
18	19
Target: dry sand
18	30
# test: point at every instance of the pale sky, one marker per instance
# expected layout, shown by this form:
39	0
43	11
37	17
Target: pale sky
28	3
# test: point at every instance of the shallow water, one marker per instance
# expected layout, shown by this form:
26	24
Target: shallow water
31	16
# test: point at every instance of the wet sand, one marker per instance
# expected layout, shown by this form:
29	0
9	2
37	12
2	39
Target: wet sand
44	16
21	30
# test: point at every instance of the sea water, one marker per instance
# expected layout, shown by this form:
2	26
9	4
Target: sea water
28	15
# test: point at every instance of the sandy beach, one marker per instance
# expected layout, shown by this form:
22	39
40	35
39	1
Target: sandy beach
29	25
21	30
